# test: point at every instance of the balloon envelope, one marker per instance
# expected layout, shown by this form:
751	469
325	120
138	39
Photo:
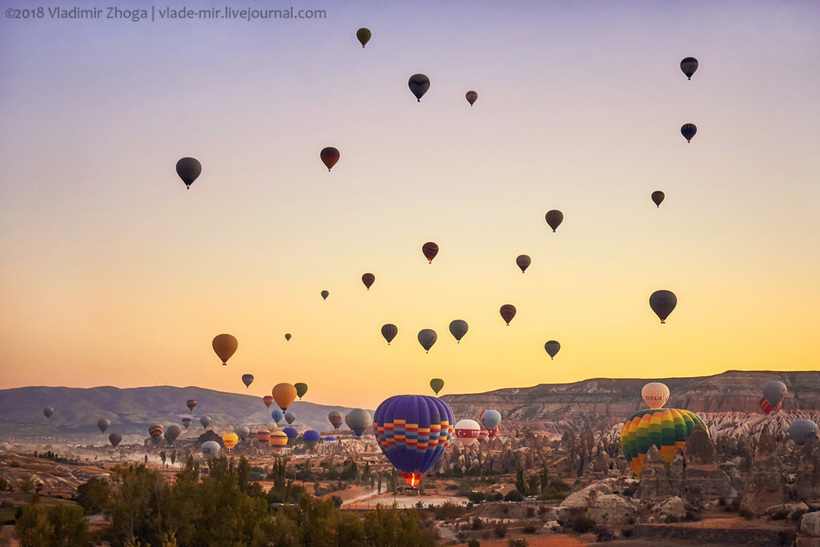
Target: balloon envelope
688	130
427	337
230	440
766	407
389	331
311	437
523	262
418	84
657	197
490	418
663	303
243	431
413	431
278	440
205	421
268	400
368	280
325	294
774	392
284	394
358	420
290	417
291	433
186	422
190	403
301	389
554	218
329	157
277	415
363	35
287	337
224	345
552	348
803	431
666	428
211	449
430	251
115	439
655	394
507	313
336	418
437	384
467	431
103	424
171	433
689	65
472	97
247	379
155	431
48	411
458	329
263	437
188	170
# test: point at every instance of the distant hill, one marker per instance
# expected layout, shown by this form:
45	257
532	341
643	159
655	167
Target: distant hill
131	411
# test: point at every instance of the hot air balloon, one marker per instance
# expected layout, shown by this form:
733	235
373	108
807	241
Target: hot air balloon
774	392
803	431
766	407
688	131
413	432
284	394
188	170
427	337
430	251
329	439
115	439
190	403
657	197
243	431
554	218
666	428
287	337
268	400
263	437
290	417
311	437
472	97
291	433
689	65
437	384
103	424
662	303
186	422
211	449
552	348
655	394
358	420
336	418
301	389
419	84
230	440
171	433
363	35
325	294
389	331
490	419
458	329
278	440
467	431
272	426
329	157
492	433
155	431
523	262
48	411
368	280
247	379
507	313
225	345
205	421
277	415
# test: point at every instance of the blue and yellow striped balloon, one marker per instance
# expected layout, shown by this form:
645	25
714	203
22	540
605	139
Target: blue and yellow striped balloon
666	428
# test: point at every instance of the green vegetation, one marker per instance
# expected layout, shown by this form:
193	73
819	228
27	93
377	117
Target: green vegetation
61	525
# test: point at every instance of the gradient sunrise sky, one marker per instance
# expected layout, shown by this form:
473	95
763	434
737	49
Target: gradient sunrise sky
112	273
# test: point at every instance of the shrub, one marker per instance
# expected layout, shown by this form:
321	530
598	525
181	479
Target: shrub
514	495
518	542
477	497
530	529
582	525
448	511
627	532
476	524
500	530
473	543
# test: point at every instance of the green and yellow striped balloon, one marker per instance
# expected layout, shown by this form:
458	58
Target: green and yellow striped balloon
666	428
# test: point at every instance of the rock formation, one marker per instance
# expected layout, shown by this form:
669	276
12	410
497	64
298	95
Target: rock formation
703	479
764	483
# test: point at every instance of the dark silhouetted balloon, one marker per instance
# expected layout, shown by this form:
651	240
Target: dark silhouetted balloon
224	346
419	84
437	384
48	411
689	65
803	431
458	329
336	418
389	331
325	294
190	403
413	431
430	251
507	313
774	392
186	422
554	218
358	420
657	197
301	389
368	280
329	157
552	348
688	131
363	35
662	303
103	424
115	439
188	170
287	336
247	379
523	262
472	97
427	337
171	433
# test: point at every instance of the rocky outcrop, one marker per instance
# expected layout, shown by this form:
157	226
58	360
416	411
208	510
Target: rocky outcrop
809	528
655	481
764	484
610	509
807	478
703	479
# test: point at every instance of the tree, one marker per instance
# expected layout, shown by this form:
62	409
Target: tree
58	526
93	495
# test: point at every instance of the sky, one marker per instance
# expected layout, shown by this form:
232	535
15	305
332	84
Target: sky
112	273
